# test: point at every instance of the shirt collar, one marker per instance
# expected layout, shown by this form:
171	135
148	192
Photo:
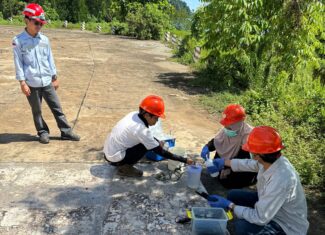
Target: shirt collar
275	165
38	35
144	120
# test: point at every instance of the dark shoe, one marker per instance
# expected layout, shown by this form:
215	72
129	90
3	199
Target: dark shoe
128	170
44	138
70	136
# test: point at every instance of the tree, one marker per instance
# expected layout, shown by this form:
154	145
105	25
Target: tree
148	21
256	38
98	8
11	8
181	17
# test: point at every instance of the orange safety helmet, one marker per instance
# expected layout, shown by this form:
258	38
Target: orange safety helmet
36	12
154	104
233	113
263	140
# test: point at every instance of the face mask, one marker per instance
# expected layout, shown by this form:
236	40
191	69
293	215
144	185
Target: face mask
230	133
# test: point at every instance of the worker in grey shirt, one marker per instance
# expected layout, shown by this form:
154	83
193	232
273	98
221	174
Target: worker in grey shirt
279	205
36	73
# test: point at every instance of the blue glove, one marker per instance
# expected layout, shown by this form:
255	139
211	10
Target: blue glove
219	163
218	201
212	169
205	153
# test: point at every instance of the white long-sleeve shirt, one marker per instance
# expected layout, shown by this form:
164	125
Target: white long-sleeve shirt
128	132
281	197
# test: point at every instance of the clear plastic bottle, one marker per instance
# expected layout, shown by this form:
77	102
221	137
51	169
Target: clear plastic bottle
209	163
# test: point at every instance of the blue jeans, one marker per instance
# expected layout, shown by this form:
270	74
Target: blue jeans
243	227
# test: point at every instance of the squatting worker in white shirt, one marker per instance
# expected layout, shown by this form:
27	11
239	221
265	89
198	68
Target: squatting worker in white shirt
279	206
131	138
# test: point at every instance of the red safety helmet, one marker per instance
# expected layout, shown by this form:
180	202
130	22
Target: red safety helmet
154	104
263	140
36	12
233	113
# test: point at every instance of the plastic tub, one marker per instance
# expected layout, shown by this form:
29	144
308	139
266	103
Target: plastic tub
171	142
193	176
209	221
151	155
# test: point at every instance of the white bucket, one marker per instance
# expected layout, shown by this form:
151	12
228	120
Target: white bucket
193	176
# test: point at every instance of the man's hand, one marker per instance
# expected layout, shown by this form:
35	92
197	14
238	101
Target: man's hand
162	143
25	88
190	162
224	173
217	201
55	84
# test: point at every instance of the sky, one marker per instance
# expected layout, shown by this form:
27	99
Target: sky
193	4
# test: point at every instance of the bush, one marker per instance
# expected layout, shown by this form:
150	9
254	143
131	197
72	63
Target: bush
180	33
186	49
147	21
51	13
303	140
119	28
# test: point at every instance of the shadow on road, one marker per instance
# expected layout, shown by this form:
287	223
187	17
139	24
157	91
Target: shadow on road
6	138
100	171
181	81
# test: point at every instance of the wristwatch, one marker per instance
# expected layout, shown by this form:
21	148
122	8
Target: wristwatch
54	77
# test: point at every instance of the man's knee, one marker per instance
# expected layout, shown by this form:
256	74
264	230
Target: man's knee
243	227
240	225
234	195
37	111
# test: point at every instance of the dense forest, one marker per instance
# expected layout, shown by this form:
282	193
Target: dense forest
102	10
143	19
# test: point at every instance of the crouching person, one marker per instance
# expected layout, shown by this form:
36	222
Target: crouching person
131	138
227	144
279	205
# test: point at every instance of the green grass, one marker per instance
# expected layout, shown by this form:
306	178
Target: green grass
90	26
180	33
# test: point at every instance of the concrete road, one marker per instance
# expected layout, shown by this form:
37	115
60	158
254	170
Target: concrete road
66	187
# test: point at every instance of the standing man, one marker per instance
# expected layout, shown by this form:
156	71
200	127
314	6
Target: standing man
131	138
279	206
36	73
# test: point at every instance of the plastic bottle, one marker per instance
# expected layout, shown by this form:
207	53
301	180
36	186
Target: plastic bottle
193	176
209	163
